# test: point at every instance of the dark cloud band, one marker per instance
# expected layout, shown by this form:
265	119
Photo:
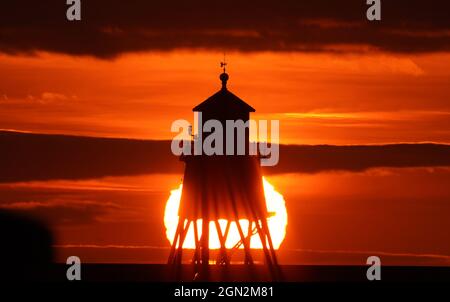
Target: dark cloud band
110	28
27	157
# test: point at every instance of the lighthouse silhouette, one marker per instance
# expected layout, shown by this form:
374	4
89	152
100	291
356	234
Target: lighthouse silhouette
223	187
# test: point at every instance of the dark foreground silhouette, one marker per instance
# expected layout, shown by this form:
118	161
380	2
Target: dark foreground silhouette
25	249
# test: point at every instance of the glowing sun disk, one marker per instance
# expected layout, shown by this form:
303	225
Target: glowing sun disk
277	222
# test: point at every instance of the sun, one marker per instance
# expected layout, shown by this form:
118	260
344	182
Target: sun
277	222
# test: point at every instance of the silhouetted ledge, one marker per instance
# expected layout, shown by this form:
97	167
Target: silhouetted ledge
259	273
27	157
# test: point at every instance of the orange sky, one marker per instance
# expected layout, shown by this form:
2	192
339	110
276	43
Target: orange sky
319	98
129	69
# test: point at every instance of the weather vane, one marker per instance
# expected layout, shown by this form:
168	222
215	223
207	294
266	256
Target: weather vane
224	63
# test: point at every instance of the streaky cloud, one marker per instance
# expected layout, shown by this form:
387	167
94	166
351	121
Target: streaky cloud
34	157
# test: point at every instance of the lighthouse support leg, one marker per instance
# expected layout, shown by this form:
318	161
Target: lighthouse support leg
174	242
223	257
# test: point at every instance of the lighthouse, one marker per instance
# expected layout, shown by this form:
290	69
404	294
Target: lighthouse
221	190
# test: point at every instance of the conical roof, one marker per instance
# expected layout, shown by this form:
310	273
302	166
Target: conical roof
223	100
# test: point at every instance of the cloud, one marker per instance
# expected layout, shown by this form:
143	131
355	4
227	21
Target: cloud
313	159
356	257
110	28
54	97
111	246
63	211
27	157
46	98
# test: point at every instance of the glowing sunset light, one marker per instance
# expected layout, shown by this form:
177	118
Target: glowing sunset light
277	222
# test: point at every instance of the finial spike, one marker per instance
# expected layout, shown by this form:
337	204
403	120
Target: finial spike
224	76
